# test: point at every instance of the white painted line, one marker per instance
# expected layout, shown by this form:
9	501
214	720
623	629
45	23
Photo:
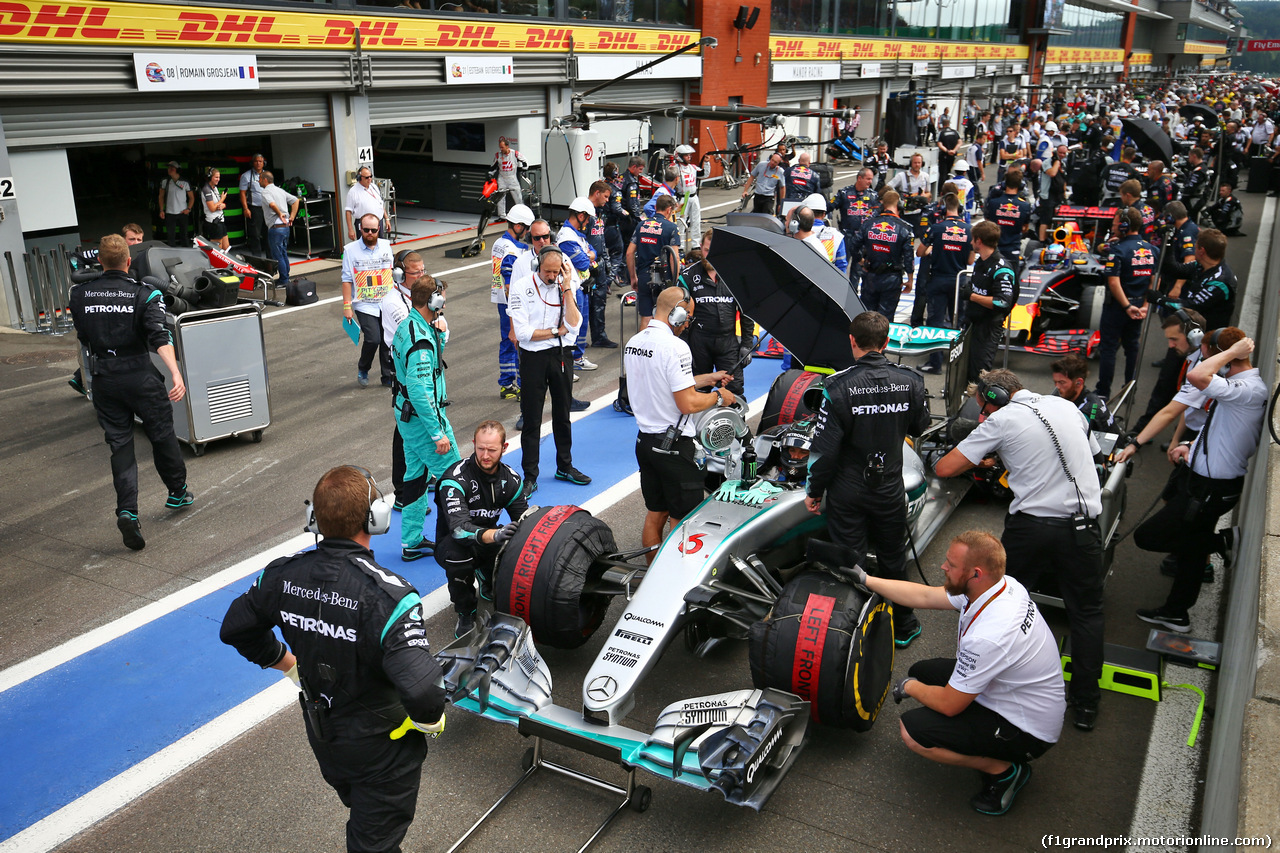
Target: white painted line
91	640
1256	285
333	299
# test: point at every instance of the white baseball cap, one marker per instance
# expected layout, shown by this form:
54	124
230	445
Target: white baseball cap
582	205
684	149
962	166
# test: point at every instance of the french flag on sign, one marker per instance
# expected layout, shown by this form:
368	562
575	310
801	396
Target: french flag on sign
242	70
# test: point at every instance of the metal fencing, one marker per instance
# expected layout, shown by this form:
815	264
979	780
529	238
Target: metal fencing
42	306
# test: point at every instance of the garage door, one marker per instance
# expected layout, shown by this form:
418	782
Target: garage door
454	103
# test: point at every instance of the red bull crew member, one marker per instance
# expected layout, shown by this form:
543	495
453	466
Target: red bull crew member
887	260
1129	270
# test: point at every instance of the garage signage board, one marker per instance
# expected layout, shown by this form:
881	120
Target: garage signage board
478	68
801	71
195	72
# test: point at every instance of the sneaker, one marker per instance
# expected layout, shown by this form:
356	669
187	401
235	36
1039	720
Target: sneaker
74	382
425	548
604	343
906	634
1230	545
509	392
130	530
466	624
520	423
575	377
1166	618
181	499
996	796
530	486
582	363
931	368
1086	715
362	378
1208	576
573	475
576	405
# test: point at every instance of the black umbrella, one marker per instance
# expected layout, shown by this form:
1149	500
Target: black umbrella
1149	139
1253	89
1204	113
790	290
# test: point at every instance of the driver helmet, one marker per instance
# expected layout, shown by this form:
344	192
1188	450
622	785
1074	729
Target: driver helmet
793	452
1055	255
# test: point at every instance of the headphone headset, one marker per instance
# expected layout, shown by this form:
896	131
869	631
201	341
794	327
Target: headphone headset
436	302
536	264
1122	223
993	395
378	519
1193	330
1213	339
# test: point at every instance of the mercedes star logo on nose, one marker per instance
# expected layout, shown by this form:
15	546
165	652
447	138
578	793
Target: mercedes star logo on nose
601	688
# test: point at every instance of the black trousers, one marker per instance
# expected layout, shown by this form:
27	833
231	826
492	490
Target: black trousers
984	343
1037	545
761	203
1165	387
861	519
397	465
377	778
1117	329
1184	527
716	352
598	304
175	228
117	398
463	560
255	231
374	344
544	373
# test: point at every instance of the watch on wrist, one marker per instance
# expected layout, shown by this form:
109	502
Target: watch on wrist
719	396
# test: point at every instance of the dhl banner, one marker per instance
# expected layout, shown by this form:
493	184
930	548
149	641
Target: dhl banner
786	48
1203	47
1060	55
135	24
1141	57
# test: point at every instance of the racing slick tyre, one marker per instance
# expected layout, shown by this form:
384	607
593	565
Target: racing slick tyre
1089	314
543	570
785	402
831	644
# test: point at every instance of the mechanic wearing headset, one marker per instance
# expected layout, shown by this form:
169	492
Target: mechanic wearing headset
886	249
1211	285
1130	268
1212	473
1047	449
354	640
948	249
855	463
988	298
648	243
429	446
1182	248
715	338
664	395
393	308
472	496
998	704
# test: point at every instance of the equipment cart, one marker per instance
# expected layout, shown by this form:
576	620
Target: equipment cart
222	355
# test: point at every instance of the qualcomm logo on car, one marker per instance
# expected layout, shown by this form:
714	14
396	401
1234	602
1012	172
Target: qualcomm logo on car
627	617
602	688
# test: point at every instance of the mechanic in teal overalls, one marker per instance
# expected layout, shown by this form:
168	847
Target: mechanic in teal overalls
417	351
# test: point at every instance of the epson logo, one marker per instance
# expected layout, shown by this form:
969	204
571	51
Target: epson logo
633	637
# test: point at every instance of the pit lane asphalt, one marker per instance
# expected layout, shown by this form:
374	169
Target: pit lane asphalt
66	572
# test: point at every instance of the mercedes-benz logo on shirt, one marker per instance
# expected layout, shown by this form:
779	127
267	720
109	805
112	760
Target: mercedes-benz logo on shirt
601	688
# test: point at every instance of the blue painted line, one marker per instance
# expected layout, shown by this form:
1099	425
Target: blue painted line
86	721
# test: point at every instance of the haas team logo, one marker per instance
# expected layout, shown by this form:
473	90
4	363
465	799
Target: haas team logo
155	73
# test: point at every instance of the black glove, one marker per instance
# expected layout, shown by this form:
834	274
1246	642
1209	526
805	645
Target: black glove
502	534
898	694
745	352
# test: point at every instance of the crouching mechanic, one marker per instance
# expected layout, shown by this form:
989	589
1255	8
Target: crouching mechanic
471	497
999	704
663	396
354	640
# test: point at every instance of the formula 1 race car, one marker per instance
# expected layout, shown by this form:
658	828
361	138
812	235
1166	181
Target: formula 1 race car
751	563
1062	287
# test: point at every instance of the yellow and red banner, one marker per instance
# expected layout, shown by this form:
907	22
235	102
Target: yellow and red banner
1204	47
786	48
135	24
1140	57
1082	55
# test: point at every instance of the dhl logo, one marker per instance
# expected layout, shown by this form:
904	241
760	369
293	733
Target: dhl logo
202	27
454	35
56	21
